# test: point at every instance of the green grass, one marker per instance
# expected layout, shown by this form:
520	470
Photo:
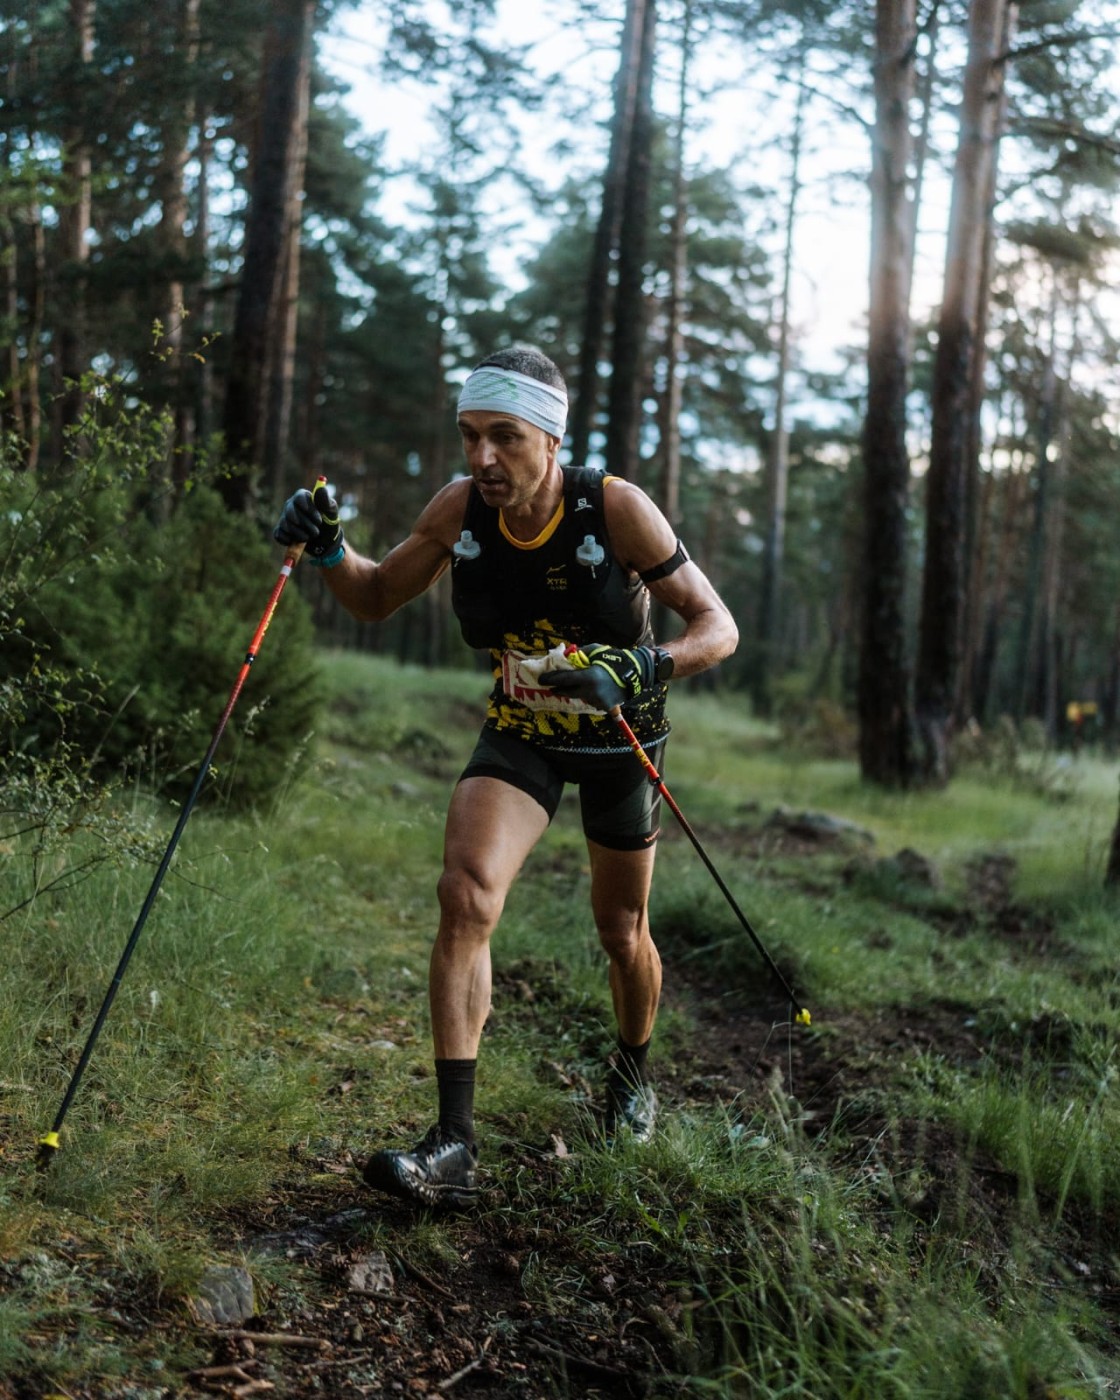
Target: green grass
274	1018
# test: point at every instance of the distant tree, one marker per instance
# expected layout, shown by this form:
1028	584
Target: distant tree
261	322
596	316
943	584
179	20
72	351
1112	874
628	339
885	721
669	407
777	455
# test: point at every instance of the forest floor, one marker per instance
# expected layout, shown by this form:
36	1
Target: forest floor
811	1206
352	1322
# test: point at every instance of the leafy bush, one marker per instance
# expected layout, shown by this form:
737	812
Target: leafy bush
120	639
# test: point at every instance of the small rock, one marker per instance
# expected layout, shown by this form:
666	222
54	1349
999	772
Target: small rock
373	1274
225	1297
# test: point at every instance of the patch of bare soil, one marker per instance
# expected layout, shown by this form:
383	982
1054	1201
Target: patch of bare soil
467	1326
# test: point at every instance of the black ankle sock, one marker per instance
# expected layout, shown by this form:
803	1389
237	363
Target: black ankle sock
630	1064
455	1080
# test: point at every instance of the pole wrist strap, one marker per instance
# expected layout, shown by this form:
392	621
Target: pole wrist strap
328	561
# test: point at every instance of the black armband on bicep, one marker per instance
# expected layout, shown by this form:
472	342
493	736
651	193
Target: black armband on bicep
679	556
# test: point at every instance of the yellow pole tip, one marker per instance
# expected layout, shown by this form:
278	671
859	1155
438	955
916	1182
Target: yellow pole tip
50	1140
803	1018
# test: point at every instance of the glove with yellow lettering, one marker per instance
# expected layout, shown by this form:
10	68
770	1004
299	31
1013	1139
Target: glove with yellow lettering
604	676
312	519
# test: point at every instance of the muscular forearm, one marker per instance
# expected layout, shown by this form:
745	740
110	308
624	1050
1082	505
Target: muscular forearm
708	638
356	585
372	591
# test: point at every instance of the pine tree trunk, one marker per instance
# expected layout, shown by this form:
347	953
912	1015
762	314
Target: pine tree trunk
258	322
942	606
33	362
204	396
976	510
885	737
278	417
624	409
13	416
181	18
1050	680
595	316
1030	647
984	669
927	89
777	459
670	406
437	601
74	224
1112	874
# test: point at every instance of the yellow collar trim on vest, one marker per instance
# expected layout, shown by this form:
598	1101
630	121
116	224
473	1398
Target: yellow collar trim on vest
549	530
544	536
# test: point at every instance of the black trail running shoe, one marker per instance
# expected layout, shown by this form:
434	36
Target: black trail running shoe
631	1111
439	1171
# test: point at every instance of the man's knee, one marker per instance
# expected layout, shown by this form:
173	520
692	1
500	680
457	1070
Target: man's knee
624	936
469	907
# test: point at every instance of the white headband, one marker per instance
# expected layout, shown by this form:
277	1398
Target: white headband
496	390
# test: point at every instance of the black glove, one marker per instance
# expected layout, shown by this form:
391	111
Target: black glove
610	676
311	520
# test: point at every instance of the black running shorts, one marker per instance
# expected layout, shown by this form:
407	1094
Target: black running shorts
619	804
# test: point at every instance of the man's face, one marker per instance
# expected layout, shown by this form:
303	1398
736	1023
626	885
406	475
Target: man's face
508	458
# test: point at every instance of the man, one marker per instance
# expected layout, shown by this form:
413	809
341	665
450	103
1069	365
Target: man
544	560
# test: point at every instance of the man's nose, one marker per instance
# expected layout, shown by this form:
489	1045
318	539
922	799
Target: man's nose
483	452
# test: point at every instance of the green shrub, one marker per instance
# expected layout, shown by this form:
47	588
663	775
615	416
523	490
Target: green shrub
120	639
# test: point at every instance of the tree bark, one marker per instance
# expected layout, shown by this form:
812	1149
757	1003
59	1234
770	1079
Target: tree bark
279	413
13	415
777	458
258	321
943	581
606	235
1029	651
1112	874
1050	649
181	19
33	362
670	407
74	224
984	666
976	515
204	397
885	726
627	385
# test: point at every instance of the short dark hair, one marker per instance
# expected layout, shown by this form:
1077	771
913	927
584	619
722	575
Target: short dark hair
528	360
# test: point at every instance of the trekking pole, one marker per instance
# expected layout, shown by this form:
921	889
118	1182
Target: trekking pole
802	1016
49	1143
